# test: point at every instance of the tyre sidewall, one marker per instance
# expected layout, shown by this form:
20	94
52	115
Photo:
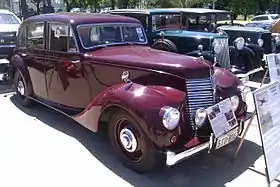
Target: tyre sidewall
149	160
24	99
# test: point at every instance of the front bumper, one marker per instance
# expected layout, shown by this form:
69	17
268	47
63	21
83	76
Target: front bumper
6	50
173	158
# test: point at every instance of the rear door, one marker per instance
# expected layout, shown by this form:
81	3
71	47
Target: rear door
34	56
65	73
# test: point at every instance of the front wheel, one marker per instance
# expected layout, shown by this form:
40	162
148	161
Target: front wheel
21	89
132	145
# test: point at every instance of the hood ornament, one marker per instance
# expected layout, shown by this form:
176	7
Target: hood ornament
125	77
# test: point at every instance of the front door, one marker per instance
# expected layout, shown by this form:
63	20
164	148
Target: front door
34	57
66	80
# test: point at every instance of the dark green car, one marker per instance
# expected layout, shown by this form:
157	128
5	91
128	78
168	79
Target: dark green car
168	30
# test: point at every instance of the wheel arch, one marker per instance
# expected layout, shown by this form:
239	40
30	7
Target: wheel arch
17	64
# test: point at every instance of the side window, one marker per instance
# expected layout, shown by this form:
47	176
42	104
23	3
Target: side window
35	35
22	36
61	38
263	18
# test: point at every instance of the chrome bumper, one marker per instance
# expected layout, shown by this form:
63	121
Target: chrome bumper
173	158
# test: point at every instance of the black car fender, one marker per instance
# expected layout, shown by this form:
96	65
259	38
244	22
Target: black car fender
256	48
165	45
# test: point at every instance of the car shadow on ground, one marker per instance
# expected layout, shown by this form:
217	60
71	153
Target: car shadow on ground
202	170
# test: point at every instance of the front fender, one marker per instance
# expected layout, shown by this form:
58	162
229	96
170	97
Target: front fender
144	104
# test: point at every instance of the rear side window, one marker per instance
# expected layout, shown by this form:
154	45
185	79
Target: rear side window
22	36
261	18
35	35
61	38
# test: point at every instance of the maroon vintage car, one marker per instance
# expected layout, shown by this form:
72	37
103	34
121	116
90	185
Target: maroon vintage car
96	68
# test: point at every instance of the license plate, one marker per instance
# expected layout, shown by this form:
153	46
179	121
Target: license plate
226	138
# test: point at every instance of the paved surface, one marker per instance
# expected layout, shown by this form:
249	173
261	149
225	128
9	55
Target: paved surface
40	147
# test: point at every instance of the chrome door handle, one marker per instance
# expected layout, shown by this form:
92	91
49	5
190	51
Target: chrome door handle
23	54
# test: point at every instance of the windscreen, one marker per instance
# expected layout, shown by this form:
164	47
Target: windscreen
8	19
110	34
166	21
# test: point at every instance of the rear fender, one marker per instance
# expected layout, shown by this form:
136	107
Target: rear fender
16	63
142	102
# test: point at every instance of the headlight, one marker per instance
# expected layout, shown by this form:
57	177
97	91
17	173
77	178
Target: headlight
200	117
171	117
239	43
277	40
234	102
260	42
217	46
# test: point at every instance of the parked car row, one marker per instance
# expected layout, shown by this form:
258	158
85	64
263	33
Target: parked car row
205	32
99	68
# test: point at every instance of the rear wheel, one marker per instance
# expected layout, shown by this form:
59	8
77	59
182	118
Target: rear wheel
21	89
132	145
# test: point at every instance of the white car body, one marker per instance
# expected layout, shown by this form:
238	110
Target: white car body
266	17
9	27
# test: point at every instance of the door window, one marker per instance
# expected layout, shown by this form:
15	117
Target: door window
61	38
35	35
22	36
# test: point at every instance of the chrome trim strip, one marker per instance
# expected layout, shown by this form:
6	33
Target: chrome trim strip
8	45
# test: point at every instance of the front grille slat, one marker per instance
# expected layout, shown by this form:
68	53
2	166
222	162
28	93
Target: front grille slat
223	57
199	95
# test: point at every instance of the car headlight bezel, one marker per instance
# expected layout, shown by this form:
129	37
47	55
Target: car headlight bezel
239	43
260	42
217	46
235	101
171	117
200	117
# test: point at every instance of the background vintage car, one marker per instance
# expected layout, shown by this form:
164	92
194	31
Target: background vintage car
153	101
258	42
167	30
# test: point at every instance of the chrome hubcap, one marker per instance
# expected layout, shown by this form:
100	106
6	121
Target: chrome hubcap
20	87
128	140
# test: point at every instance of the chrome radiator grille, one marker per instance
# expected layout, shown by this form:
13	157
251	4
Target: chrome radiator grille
199	95
223	57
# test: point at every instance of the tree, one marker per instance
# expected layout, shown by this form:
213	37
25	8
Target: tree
37	4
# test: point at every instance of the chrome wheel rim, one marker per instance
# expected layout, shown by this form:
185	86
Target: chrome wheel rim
20	88
128	140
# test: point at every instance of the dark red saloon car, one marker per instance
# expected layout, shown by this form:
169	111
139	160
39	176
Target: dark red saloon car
96	67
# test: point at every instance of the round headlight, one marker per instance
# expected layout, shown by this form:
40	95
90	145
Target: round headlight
171	118
239	43
234	102
217	46
260	42
200	117
277	40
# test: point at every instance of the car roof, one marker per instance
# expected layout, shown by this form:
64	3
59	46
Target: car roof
145	11
200	10
265	15
5	11
168	10
249	29
81	18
